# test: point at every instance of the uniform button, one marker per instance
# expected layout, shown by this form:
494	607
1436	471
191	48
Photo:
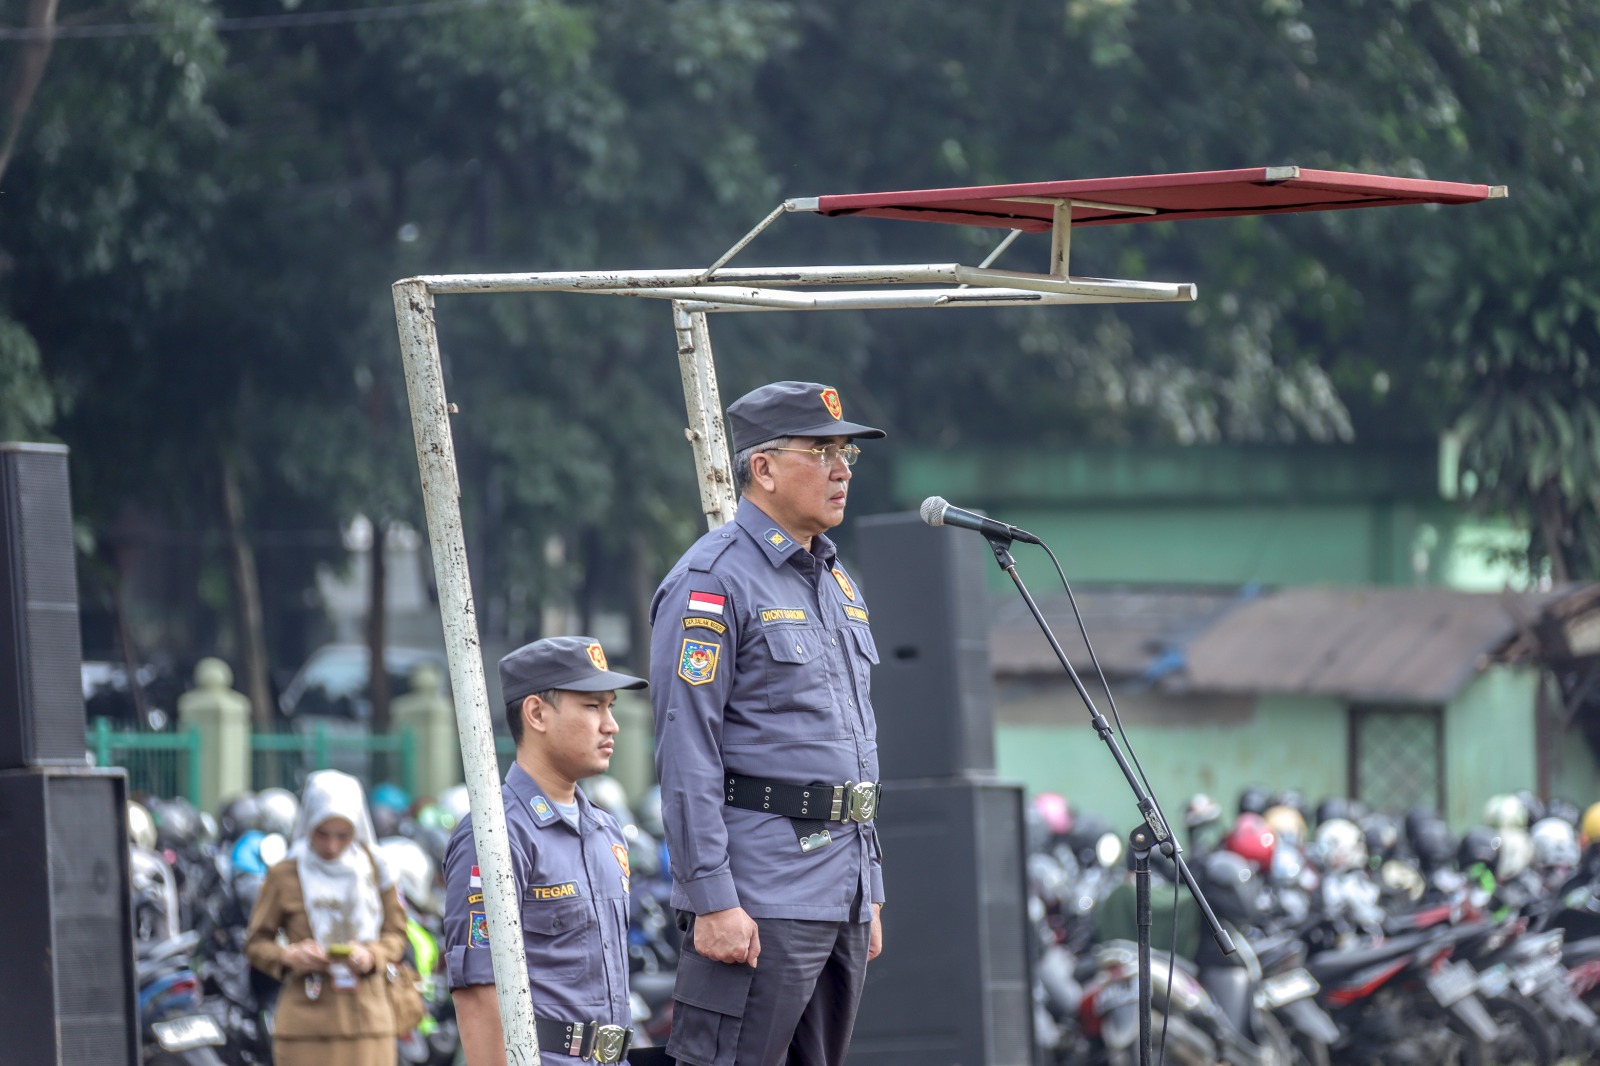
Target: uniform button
797	648
835	643
671	716
725	536
852	702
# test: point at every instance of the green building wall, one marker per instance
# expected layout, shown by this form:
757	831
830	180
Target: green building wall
1489	742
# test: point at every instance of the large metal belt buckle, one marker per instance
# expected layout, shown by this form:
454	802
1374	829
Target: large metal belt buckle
611	1043
863	801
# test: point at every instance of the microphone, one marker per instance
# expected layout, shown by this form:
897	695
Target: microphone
937	511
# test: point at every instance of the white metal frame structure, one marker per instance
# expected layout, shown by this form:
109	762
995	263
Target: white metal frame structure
694	294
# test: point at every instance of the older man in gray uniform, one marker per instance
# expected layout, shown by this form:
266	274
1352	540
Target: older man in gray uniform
569	859
767	751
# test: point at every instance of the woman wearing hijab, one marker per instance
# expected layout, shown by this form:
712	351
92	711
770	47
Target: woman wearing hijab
342	926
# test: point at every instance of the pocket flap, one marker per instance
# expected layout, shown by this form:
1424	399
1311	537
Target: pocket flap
720	987
794	645
553	918
864	641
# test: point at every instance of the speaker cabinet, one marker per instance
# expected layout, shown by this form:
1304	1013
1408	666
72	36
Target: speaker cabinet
931	691
41	653
68	996
953	985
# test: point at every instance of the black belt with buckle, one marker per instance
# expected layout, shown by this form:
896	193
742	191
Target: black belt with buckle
584	1040
810	806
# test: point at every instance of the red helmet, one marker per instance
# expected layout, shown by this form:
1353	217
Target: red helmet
1252	839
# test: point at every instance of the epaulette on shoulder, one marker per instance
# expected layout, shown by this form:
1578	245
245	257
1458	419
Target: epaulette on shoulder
709	548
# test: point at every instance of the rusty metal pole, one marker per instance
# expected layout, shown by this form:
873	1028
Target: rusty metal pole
441	494
706	433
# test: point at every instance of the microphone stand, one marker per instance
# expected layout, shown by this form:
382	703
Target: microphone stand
1151	835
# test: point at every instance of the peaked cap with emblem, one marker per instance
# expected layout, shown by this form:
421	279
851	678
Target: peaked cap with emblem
790	409
575	664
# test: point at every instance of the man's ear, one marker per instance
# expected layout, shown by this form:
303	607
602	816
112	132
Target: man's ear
533	709
761	471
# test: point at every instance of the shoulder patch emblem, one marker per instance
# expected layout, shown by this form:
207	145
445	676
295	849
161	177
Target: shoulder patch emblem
696	622
845	587
597	656
783	616
477	929
698	663
775	537
622	859
830	400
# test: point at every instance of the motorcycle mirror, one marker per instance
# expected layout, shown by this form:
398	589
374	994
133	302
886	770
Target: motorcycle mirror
1108	850
273	849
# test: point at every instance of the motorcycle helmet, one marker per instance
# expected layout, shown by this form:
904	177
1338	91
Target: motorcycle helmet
246	856
1341	847
177	822
1054	811
1254	800
1333	807
1084	838
237	817
1532	803
390	795
414	872
1563	808
1252	839
1292	798
1479	845
1589	826
607	793
141	827
386	822
1383	837
1555	845
1288	823
650	812
1432	843
455	802
1503	810
1231	887
1516	853
279	809
1201	810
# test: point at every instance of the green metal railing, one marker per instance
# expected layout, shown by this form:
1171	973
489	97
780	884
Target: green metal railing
285	758
161	764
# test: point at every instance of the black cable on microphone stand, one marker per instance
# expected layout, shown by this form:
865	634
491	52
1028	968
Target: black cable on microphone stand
1153	833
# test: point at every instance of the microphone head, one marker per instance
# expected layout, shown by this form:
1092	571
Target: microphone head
933	509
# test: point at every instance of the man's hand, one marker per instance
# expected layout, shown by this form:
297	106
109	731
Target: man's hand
730	936
875	938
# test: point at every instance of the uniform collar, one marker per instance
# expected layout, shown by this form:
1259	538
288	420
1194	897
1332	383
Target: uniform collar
774	541
538	806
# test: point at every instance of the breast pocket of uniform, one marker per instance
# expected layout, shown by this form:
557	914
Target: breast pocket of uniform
558	936
797	676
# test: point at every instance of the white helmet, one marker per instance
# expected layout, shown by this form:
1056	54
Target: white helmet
141	827
413	871
1555	845
279	810
1516	852
1505	811
455	802
1341	846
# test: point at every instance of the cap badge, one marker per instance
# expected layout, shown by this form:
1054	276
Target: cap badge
597	656
830	400
844	584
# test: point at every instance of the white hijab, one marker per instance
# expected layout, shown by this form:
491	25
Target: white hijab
343	896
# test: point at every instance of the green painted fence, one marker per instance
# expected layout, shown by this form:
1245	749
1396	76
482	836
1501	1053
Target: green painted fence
161	764
283	759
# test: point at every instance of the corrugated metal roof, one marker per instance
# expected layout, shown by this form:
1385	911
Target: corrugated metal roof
1377	644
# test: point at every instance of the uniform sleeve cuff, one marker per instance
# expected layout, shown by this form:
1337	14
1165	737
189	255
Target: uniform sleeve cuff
877	883
715	893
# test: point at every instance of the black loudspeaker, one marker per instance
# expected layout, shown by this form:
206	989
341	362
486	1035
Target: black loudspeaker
931	691
41	653
953	986
68	996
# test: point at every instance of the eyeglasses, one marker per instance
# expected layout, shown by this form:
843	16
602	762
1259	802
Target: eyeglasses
828	455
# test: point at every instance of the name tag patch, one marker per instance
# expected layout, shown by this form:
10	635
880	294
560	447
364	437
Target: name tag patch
694	622
698	663
783	616
854	613
564	890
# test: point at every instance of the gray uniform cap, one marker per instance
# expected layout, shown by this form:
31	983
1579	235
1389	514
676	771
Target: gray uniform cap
790	409
576	664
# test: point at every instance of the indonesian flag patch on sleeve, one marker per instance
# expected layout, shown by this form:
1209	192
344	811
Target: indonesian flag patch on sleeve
706	602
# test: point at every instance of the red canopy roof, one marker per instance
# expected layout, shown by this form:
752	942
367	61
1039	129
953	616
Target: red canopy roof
1156	197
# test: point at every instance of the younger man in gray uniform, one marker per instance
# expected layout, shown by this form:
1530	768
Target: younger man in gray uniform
569	858
767	750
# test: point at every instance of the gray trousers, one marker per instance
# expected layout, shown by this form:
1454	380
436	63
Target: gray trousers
797	1007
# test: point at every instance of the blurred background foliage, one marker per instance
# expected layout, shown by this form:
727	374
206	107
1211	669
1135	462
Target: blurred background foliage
203	204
